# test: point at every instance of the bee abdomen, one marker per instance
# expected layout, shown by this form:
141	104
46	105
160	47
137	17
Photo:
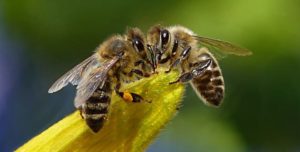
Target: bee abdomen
96	108
210	86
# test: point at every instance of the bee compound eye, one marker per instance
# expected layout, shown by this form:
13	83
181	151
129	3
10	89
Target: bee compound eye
138	44
164	36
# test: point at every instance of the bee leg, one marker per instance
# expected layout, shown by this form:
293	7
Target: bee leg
164	60
138	72
185	77
139	62
196	72
184	55
143	66
174	64
201	67
129	96
80	110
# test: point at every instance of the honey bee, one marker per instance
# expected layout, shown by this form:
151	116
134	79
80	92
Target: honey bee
121	58
178	47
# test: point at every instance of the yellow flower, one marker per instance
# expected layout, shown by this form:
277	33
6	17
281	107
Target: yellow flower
130	126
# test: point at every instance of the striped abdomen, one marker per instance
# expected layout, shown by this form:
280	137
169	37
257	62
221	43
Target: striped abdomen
94	111
210	85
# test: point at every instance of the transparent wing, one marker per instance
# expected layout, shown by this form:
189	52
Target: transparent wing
91	81
224	47
74	75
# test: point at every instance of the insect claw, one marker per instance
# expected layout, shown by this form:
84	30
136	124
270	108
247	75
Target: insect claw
169	70
173	82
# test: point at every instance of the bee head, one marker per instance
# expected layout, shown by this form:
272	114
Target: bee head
137	39
159	38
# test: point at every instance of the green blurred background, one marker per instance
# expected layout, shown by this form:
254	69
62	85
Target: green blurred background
42	39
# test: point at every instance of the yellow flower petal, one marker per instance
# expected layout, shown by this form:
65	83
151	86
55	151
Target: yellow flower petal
130	126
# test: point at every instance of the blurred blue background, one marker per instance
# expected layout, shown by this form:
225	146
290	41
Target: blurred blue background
40	40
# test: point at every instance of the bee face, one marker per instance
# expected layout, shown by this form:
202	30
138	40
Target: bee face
160	38
153	35
137	40
130	48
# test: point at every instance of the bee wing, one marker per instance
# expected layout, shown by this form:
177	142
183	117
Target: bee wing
74	75
223	46
91	81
